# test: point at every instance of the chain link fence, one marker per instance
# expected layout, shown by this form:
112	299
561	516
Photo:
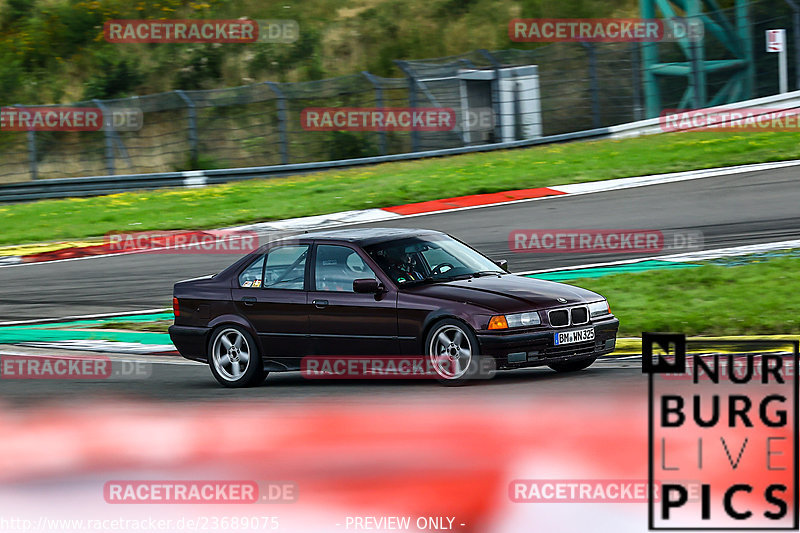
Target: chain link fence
561	88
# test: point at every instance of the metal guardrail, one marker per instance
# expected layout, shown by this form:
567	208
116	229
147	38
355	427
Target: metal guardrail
100	185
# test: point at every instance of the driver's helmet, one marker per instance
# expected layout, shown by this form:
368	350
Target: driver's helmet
404	265
410	262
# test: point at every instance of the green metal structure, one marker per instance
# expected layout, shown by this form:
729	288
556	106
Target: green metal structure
735	37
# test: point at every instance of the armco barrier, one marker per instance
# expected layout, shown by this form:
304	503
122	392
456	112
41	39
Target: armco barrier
99	185
785	101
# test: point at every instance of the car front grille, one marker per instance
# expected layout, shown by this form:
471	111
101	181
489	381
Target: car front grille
580	315
566	317
559	318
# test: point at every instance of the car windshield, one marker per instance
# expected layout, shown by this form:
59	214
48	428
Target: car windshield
430	258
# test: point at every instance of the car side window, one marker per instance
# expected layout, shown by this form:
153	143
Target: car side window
252	274
337	267
286	267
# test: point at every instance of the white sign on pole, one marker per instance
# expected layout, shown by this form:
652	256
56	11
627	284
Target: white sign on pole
776	42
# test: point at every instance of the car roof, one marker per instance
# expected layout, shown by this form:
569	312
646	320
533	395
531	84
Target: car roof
366	236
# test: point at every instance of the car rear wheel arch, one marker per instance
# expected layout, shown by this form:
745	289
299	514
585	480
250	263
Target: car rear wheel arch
232	320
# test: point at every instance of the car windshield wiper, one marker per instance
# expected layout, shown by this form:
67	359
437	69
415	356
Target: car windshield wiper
487	273
458	277
423	281
438	279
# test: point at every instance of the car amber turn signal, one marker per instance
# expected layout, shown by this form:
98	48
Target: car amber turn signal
498	322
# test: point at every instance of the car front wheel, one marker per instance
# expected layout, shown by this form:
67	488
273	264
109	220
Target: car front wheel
234	358
453	353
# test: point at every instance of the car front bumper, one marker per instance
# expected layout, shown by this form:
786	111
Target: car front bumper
191	341
536	348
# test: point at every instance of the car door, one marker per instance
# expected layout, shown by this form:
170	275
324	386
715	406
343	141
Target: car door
272	294
343	322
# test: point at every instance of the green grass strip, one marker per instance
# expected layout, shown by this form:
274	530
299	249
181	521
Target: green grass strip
388	184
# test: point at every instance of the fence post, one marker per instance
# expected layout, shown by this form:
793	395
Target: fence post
378	103
108	138
698	77
282	119
496	103
593	86
412	99
32	155
192	115
635	81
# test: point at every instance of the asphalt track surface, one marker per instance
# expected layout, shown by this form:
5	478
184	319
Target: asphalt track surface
176	381
733	210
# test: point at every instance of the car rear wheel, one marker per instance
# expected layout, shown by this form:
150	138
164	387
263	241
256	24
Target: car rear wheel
234	358
452	350
573	366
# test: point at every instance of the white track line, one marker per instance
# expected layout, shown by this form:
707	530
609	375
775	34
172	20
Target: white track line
84	317
658	179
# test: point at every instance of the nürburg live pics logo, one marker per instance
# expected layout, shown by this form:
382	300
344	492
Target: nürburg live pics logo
726	414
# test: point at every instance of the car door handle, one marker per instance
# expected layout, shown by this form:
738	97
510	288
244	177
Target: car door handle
249	300
319	304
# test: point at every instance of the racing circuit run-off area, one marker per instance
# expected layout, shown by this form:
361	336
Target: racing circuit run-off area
468	267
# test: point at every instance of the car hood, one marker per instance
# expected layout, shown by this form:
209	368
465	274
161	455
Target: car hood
507	293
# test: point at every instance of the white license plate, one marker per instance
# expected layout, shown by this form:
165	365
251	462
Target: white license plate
571	337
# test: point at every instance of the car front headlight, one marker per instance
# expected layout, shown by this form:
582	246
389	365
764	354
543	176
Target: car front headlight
599	309
516	320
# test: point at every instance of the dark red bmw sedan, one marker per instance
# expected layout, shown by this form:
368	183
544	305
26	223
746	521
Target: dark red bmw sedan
383	292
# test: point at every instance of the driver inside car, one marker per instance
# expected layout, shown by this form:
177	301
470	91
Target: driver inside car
403	267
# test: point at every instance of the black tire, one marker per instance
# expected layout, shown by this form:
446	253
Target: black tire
574	365
456	369
226	362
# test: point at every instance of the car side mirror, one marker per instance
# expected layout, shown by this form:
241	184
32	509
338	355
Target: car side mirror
502	263
367	286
